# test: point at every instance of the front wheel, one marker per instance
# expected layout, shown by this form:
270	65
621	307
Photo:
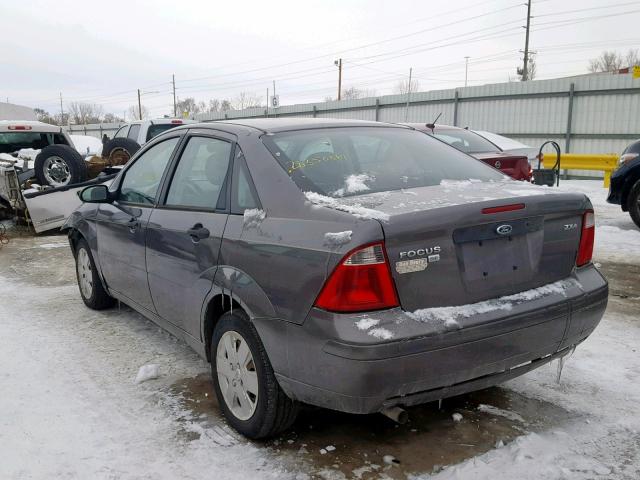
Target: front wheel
248	393
633	203
92	292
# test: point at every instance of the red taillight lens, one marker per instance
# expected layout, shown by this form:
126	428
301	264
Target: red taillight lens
176	122
585	251
361	282
503	208
19	127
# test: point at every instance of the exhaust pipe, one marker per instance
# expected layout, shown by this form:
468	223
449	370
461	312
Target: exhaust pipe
396	414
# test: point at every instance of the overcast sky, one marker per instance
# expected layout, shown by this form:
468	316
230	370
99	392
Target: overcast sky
102	52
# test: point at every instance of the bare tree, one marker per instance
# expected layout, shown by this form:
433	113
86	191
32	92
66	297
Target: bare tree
225	106
44	116
246	100
134	114
632	59
83	113
353	93
532	68
112	118
402	87
188	106
606	62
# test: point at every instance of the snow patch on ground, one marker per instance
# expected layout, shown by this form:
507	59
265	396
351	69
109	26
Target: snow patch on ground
147	372
253	217
354	184
356	209
337	239
448	315
49	246
457	417
491	410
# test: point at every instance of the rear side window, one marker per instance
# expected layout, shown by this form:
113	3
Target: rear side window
243	195
199	179
351	161
465	141
134	131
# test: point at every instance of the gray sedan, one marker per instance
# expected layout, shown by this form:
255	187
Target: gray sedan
356	266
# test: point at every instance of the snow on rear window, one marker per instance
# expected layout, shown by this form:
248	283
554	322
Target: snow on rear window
349	161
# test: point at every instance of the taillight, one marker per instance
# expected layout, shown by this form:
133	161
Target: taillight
19	127
587	237
176	122
361	282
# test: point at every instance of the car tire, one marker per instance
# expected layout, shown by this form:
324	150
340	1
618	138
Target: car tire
118	151
269	411
60	165
91	289
633	203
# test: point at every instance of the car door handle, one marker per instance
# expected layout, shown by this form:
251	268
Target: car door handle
198	232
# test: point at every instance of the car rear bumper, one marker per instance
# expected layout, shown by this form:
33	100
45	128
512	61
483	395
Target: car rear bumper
331	363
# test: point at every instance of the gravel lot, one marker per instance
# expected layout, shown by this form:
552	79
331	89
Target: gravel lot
71	409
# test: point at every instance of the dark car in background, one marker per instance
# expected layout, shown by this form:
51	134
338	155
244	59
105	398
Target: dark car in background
357	266
516	165
624	189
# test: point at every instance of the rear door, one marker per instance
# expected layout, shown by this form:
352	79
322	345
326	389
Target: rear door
122	225
185	230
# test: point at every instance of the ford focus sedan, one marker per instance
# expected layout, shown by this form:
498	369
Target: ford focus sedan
356	266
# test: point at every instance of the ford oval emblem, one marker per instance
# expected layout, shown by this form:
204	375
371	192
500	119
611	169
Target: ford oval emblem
504	229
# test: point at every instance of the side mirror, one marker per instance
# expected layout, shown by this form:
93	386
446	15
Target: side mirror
95	194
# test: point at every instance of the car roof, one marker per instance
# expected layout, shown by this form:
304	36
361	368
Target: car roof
160	121
274	125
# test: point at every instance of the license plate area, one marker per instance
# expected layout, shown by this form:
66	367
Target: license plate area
500	256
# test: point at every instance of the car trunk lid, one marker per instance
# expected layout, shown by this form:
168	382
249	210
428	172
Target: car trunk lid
444	251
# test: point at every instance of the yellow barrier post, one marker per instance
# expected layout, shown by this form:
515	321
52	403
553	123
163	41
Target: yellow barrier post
603	162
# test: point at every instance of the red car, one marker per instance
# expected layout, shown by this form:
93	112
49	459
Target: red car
516	166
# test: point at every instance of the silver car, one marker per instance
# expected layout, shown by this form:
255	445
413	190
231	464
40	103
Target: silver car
356	266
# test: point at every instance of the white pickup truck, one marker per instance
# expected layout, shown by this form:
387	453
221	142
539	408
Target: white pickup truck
41	169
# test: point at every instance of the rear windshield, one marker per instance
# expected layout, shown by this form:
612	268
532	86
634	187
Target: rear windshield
158	129
349	161
14	141
465	141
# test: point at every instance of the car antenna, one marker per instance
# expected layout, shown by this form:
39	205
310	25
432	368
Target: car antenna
433	125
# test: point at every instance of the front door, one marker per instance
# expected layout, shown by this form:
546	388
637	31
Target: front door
122	225
185	231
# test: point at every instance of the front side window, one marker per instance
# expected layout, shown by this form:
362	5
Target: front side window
199	179
350	161
142	180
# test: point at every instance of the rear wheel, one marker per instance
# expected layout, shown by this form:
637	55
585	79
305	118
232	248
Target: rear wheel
92	292
247	390
633	203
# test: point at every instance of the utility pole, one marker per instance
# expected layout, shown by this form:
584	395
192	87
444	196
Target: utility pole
267	110
175	108
139	105
466	69
61	111
406	110
338	63
525	66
